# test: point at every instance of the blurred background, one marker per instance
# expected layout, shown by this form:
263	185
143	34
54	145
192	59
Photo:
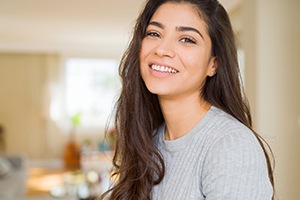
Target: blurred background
59	79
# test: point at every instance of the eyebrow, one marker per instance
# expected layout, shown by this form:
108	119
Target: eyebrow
187	28
159	25
178	28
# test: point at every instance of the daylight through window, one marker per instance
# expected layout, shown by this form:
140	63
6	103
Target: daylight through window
91	89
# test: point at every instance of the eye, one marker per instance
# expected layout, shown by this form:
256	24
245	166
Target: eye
152	34
188	40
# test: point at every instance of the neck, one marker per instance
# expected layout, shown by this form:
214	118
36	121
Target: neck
181	115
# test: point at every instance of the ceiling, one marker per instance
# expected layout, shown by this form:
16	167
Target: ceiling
74	27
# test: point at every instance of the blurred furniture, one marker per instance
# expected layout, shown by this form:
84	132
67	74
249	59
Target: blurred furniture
41	180
13	174
51	180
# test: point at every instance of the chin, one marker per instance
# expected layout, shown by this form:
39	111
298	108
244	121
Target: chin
155	90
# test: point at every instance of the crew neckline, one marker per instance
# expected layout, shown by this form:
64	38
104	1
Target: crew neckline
182	142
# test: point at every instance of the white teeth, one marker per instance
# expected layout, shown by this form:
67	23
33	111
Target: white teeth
163	69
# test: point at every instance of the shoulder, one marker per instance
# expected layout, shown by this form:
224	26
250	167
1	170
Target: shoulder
225	128
235	164
224	120
232	140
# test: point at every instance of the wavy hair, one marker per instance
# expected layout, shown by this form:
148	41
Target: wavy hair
138	165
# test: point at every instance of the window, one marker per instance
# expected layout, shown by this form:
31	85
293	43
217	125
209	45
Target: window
91	87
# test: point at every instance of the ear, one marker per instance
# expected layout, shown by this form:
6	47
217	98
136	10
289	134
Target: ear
212	67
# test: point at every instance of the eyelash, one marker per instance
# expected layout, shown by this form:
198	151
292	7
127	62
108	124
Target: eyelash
184	39
188	40
152	34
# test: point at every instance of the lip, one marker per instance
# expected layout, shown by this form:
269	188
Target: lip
162	64
159	74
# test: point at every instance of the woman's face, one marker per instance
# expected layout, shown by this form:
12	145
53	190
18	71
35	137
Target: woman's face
175	55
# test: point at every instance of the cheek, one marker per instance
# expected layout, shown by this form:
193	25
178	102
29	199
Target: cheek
146	48
191	60
143	46
195	60
142	52
142	57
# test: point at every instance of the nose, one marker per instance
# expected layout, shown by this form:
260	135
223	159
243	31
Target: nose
165	49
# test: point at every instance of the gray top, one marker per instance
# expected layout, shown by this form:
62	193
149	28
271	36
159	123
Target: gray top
219	159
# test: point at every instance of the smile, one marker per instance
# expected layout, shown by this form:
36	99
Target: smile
164	69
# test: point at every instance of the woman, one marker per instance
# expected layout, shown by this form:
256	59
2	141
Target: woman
183	125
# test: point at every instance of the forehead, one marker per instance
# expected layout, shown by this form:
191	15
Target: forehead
179	14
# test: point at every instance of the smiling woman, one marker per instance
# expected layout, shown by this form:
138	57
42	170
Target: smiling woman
177	41
183	125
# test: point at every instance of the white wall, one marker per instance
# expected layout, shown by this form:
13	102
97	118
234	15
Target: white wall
271	40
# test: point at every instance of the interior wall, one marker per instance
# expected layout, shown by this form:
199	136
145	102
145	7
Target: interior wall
22	80
272	47
30	85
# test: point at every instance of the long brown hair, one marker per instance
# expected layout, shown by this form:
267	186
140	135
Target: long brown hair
138	165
